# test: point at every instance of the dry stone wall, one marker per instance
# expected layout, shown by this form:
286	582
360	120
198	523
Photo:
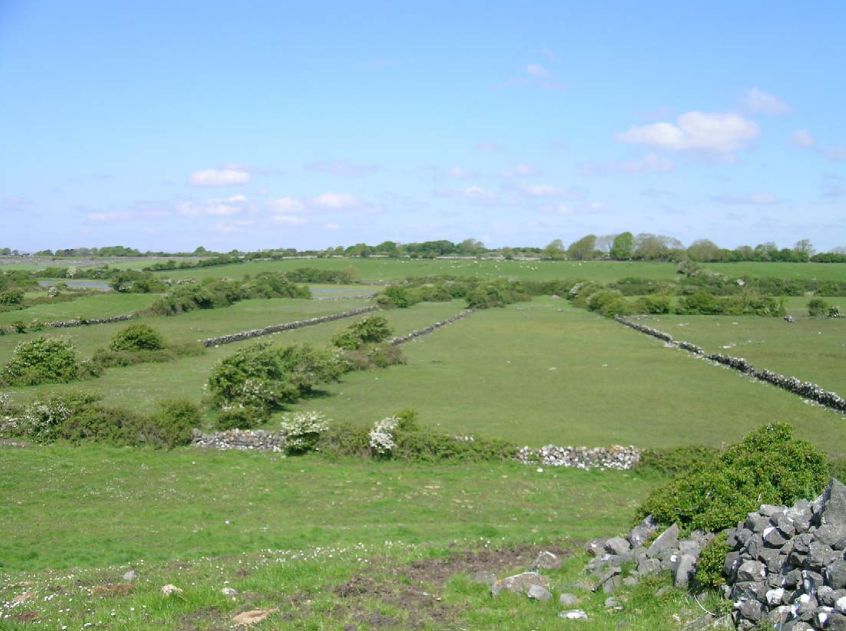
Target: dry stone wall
805	389
402	339
285	326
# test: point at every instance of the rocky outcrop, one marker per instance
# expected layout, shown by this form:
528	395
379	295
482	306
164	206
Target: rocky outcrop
285	326
787	567
805	389
666	553
586	458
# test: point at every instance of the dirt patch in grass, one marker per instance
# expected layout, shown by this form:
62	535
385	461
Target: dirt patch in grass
416	588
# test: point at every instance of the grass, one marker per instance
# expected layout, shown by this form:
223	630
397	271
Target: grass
97	306
136	504
543	372
809	348
144	384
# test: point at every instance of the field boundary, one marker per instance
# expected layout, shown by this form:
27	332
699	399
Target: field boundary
806	389
426	330
285	326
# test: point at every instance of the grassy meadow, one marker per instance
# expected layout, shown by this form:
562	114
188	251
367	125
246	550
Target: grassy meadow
340	543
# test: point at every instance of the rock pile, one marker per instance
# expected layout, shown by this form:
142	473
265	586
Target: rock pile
241	439
67	324
285	326
402	339
806	389
586	458
787	565
666	553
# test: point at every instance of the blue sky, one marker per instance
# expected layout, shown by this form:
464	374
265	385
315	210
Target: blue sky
169	124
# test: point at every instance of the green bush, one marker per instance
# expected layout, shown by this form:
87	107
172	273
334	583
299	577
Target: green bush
817	308
240	417
677	460
11	297
709	567
266	377
769	466
700	303
97	423
655	304
137	337
42	360
369	330
174	422
395	296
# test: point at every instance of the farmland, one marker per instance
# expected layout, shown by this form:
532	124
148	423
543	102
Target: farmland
535	372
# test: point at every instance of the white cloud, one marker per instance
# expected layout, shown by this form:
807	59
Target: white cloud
477	192
803	138
836	153
488	147
536	70
760	102
460	173
220	177
755	199
288	220
522	170
541	190
332	226
334	201
233	205
696	131
285	205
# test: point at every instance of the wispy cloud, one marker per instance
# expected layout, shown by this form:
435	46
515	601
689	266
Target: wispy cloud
760	102
220	177
335	201
342	167
488	147
720	133
541	190
650	163
802	138
522	170
754	199
109	217
285	205
233	205
15	203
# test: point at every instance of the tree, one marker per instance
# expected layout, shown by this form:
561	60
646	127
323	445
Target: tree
554	251
804	249
583	249
655	247
704	250
471	247
621	249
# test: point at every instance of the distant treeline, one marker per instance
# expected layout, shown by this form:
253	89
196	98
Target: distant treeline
624	246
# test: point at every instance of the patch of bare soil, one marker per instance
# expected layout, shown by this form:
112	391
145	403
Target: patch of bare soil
417	588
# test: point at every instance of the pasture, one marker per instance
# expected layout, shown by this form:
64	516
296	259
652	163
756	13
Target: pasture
291	532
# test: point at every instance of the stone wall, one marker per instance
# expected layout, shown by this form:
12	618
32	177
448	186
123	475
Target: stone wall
586	458
402	339
787	566
285	326
805	389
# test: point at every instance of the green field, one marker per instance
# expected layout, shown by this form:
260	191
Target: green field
97	306
292	532
543	372
142	385
810	349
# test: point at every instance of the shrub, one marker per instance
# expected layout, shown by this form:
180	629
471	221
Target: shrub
395	296
240	417
817	308
302	431
381	437
98	423
769	466
11	297
42	360
709	567
369	330
678	460
345	439
700	303
655	304
265	377
375	356
137	337
174	422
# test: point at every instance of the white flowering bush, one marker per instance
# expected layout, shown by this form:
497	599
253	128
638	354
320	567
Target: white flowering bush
42	418
382	436
302	431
